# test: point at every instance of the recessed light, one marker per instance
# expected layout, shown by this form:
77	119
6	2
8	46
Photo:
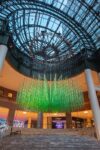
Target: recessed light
85	112
55	114
24	112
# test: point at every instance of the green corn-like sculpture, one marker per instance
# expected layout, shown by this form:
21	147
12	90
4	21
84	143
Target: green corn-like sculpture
50	96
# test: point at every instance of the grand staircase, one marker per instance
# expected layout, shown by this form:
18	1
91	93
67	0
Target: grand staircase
39	139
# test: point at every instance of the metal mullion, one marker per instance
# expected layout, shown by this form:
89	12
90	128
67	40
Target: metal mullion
7	7
87	6
17	17
7	11
49	17
97	28
91	22
61	4
84	34
10	9
68	49
95	31
4	13
20	27
57	39
54	33
34	30
16	33
53	1
30	50
71	44
72	24
76	13
73	39
47	38
58	44
84	4
69	7
45	29
86	14
63	49
37	20
24	29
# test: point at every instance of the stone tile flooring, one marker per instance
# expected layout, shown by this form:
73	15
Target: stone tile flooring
49	142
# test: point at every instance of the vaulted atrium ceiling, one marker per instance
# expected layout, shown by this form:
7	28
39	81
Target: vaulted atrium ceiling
52	36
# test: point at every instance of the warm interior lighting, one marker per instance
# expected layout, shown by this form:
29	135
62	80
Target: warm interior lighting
24	112
85	112
55	114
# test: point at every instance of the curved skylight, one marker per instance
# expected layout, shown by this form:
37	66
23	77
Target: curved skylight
53	30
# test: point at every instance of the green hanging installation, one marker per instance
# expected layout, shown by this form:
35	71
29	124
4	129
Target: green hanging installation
50	96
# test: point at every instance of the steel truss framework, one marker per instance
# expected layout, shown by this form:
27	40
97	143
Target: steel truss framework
52	36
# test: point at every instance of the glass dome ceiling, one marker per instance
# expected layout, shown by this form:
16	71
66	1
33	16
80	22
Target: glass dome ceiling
51	36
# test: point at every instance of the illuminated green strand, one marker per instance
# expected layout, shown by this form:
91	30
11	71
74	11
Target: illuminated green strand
56	96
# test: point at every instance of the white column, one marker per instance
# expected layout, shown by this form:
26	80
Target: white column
94	101
3	52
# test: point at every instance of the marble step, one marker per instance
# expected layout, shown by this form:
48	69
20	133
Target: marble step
49	142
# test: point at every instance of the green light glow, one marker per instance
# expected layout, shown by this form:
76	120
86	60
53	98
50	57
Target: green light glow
54	96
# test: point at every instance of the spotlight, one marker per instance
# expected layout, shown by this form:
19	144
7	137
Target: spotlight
24	112
85	112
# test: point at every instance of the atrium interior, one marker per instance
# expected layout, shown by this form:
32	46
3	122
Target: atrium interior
49	74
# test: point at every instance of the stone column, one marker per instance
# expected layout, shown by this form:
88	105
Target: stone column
89	122
3	52
40	120
94	101
68	120
11	116
29	122
49	122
